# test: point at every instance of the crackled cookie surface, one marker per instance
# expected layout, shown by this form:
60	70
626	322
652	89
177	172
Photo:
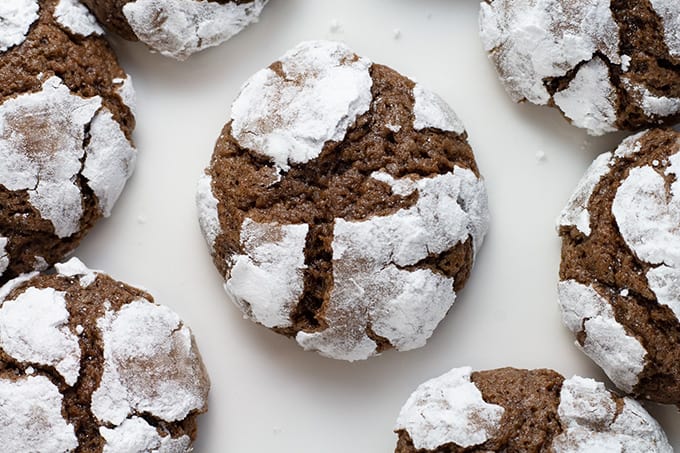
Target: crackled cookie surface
91	364
66	120
342	204
607	65
511	410
177	28
620	271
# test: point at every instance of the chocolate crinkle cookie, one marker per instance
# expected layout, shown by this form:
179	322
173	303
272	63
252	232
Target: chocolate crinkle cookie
606	64
620	271
90	364
342	204
66	121
510	410
177	28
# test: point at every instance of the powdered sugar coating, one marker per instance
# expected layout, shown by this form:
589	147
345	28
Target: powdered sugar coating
576	212
208	216
449	409
34	328
669	11
23	400
126	91
4	257
531	40
143	343
589	100
45	164
75	268
651	104
289	117
135	435
267	280
588	414
607	343
110	160
372	287
77	18
431	110
179	28
16	17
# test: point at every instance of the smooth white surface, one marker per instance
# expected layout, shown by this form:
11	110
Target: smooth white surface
267	393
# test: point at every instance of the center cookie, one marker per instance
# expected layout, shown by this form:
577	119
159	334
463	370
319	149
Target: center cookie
342	204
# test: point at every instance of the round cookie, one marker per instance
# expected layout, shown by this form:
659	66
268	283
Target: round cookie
620	271
177	28
511	410
91	364
66	121
606	65
342	204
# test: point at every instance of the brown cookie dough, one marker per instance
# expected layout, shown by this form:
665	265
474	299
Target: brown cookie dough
90	364
177	28
620	277
342	204
66	120
607	65
510	410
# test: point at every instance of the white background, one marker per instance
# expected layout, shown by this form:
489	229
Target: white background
267	394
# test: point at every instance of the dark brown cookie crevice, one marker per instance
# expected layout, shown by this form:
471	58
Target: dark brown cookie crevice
604	261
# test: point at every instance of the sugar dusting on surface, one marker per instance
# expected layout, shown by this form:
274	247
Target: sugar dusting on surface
591	422
289	117
16	17
208	216
449	409
607	343
431	110
77	18
135	435
179	28
4	256
373	289
22	401
669	11
143	343
267	280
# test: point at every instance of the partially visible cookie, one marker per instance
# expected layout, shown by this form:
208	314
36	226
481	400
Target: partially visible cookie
607	65
620	270
91	364
66	122
177	28
511	410
343	204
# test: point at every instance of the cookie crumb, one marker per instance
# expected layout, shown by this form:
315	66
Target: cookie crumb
540	155
335	26
396	34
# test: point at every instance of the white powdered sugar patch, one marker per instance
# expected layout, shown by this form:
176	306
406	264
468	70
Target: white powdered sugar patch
652	105
669	11
208	216
77	18
373	287
34	328
449	409
531	40
648	218
143	344
289	119
431	110
4	257
576	212
607	343
41	144
179	28
110	160
16	17
126	91
588	414
75	268
267	280
589	100
135	435
31	419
